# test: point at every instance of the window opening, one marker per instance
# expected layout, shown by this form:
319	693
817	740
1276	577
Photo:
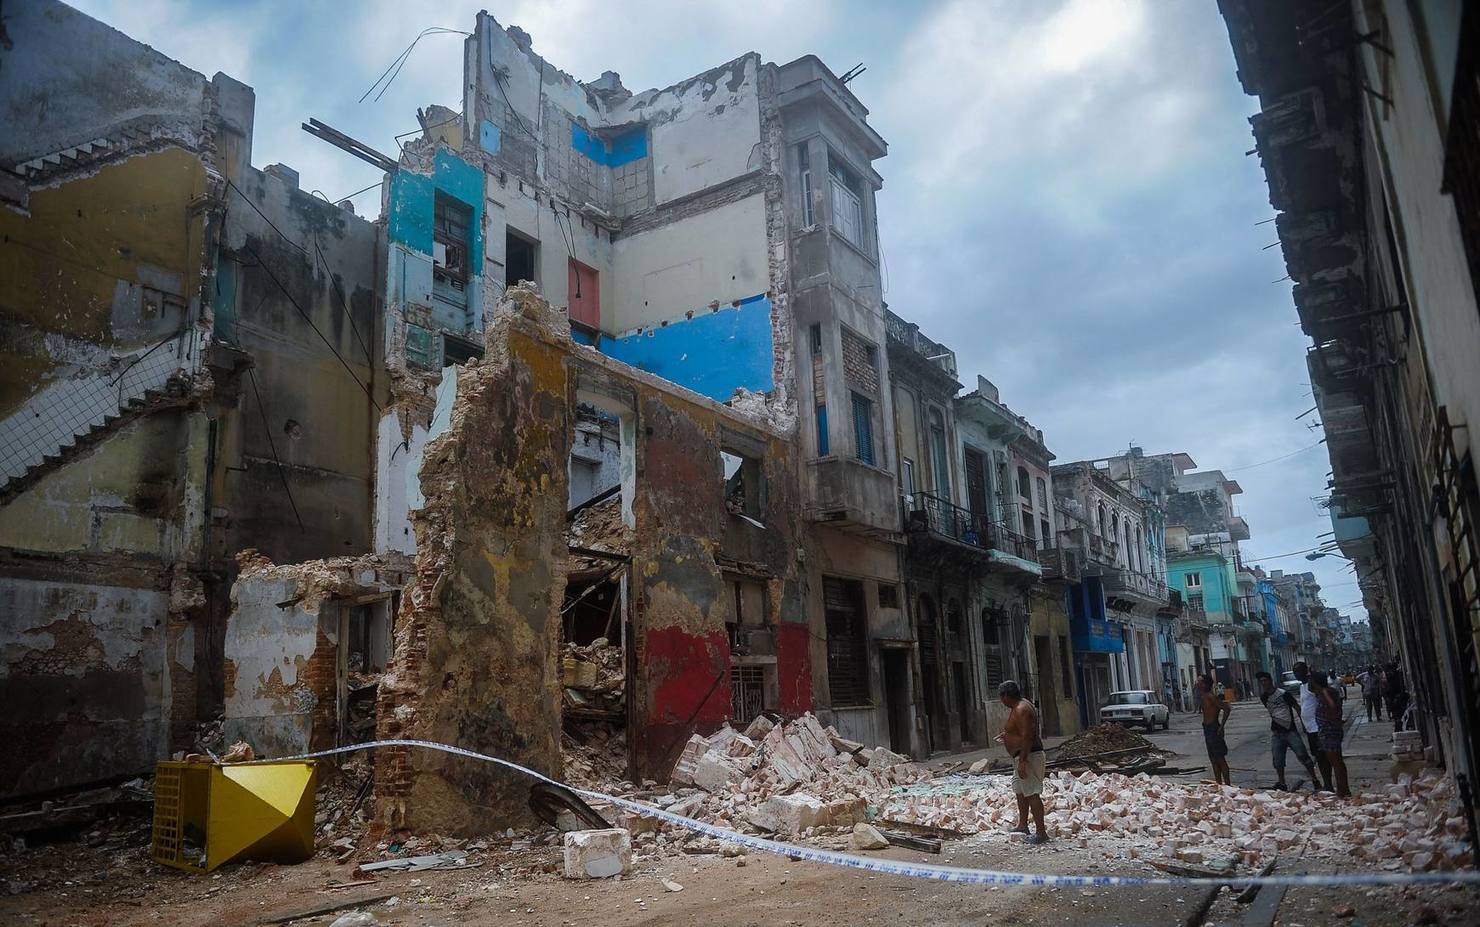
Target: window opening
742	476
863	428
805	161
450	224
888	595
519	259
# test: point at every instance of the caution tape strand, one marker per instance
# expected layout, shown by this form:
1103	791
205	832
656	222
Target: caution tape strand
917	870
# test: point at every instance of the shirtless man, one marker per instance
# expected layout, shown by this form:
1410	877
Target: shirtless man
1215	712
1024	744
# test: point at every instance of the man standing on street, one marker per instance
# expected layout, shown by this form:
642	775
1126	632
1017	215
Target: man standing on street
1024	744
1329	722
1284	732
1371	684
1215	712
1308	704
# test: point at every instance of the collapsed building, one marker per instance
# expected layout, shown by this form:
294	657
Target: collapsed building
597	436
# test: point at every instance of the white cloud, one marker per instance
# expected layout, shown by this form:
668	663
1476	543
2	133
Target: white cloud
1084	96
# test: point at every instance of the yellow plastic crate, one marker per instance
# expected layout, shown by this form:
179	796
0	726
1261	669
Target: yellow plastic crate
207	814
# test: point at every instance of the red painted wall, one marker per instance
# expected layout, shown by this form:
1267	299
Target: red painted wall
793	667
688	676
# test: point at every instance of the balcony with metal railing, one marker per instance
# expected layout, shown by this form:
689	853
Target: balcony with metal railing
931	519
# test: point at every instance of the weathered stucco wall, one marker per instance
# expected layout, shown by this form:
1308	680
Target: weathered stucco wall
303	415
89	677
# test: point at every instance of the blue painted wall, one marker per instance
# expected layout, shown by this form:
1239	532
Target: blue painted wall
1091	631
714	353
629	146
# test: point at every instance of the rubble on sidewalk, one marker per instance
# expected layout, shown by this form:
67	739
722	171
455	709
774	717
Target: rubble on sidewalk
1411	823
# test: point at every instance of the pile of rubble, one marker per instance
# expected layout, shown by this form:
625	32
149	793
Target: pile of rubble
1412	823
1102	738
770	776
594	675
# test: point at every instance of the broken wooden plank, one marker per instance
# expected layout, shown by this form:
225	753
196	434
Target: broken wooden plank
323	909
923	830
911	842
1247	895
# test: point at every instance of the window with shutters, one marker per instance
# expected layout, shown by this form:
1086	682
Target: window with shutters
863	428
847	202
847	642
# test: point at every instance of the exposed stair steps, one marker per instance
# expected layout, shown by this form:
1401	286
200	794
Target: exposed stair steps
69	417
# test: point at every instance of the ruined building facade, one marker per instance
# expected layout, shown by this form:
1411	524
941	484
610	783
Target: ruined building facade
1367	132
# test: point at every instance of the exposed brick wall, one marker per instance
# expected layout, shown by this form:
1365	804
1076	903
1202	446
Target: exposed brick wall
860	364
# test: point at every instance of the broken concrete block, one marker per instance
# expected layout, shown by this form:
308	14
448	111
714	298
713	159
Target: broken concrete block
979	767
715	772
842	744
759	728
788	814
883	758
867	837
729	741
597	854
846	812
683	770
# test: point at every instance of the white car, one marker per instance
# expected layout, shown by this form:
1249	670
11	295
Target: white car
1136	706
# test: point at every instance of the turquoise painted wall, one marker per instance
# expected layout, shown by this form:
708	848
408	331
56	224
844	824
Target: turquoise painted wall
410	216
1219	586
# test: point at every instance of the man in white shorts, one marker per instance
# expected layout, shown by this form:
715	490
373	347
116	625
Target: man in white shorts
1024	743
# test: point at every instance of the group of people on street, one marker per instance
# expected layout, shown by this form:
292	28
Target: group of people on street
1383	687
1315	714
1307	723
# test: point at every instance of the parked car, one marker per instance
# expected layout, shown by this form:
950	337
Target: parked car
1137	706
1289	683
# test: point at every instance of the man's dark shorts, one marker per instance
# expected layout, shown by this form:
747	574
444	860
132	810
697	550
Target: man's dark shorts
1217	746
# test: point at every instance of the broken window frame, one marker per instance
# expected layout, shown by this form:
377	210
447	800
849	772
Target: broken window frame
452	229
751	474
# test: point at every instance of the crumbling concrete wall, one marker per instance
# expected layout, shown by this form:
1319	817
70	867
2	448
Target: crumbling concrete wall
477	640
476	643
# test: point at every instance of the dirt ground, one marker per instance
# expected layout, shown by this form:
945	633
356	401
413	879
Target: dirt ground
523	887
104	877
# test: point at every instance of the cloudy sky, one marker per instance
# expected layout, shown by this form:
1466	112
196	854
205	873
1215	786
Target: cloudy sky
1066	201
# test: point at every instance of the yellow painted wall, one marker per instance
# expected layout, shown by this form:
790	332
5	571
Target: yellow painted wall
61	267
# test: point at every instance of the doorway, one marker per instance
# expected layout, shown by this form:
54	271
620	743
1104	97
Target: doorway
963	701
897	697
1048	697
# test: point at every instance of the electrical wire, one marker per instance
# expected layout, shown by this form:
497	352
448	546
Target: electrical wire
1276	459
400	60
272	445
350	316
327	343
343	303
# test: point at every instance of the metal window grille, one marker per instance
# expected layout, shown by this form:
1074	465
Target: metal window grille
747	693
847	645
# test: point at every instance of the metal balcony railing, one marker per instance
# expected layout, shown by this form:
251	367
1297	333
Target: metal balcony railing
928	512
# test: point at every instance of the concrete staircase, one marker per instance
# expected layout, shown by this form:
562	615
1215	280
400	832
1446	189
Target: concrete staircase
71	415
